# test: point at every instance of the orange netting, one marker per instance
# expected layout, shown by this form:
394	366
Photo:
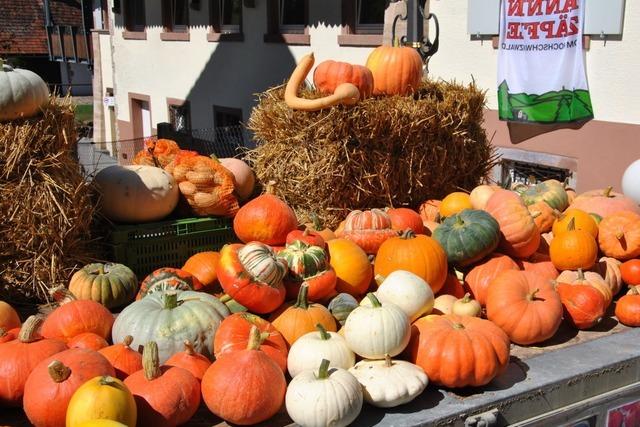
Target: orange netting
163	150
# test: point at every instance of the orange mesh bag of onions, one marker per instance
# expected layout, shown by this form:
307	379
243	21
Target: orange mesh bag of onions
158	153
205	183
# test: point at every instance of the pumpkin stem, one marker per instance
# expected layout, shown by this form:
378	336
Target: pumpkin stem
374	300
324	335
302	301
29	328
58	371
536	214
633	290
108	380
127	341
459	220
271	187
458	326
379	279
101	269
3	332
150	361
387	361
323	372
580	274
317	224
255	338
305	232
532	295
466	298
620	235
170	300
572	224
188	348
224	298
607	191
408	234
61	295
214	158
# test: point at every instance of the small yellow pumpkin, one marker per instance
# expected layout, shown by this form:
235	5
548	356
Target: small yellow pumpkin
102	397
455	203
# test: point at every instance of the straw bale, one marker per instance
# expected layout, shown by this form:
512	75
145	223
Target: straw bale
45	204
385	151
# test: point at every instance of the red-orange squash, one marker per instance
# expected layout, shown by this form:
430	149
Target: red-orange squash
308	236
588	278
203	267
520	235
458	351
53	381
368	229
628	308
417	253
88	340
405	218
525	306
18	358
76	317
396	70
244	387
123	358
583	305
233	335
619	235
352	266
329	74
267	219
630	271
190	360
481	275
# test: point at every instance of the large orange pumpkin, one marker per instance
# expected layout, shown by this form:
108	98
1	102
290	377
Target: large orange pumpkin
589	278
619	235
396	70
267	219
76	317
330	74
458	351
417	253
368	229
295	320
525	306
604	202
203	266
352	266
573	249
520	235
480	276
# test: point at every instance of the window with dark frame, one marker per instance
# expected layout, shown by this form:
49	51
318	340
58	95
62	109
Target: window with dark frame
175	14
369	16
134	15
180	117
226	16
288	16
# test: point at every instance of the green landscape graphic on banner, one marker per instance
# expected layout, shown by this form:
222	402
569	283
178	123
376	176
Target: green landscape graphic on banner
541	73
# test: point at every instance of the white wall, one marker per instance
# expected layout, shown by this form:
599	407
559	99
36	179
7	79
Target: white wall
221	73
611	69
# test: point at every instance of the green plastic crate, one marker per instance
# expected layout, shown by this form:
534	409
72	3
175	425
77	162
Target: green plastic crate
146	247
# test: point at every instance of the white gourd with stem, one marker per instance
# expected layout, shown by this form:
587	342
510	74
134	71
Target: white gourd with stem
308	351
22	93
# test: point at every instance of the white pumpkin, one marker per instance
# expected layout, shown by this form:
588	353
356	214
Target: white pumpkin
22	93
244	180
137	193
480	195
309	350
406	290
326	397
466	306
389	383
376	330
443	304
170	318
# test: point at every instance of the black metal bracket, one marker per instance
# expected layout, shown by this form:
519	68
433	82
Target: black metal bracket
415	31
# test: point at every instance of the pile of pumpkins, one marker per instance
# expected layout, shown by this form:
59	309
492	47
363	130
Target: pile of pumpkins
319	321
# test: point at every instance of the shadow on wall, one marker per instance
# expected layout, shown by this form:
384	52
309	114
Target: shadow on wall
520	132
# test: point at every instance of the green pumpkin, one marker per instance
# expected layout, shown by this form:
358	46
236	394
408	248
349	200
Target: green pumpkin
468	236
550	191
112	285
341	305
304	260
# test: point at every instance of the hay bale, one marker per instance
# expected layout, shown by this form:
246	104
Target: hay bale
387	151
46	205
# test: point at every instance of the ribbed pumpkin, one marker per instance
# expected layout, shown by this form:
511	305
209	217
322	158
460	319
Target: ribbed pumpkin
543	215
583	305
589	278
573	249
454	203
525	306
168	278
481	275
619	235
604	202
418	254
581	221
403	218
309	265
169	318
458	351
430	210
329	74
352	266
20	356
88	340
203	267
520	236
190	360
295	320
123	358
76	317
235	332
53	381
396	70
550	191
9	318
368	229
628	308
609	269
468	236
103	396
252	275
112	285
267	219
244	387
166	396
